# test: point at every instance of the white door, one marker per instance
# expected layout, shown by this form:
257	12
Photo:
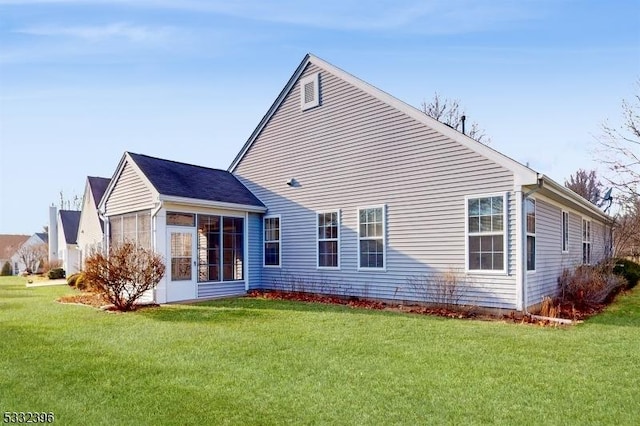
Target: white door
181	268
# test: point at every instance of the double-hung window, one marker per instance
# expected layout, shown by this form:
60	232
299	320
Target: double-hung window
328	227
586	241
371	238
486	217
565	232
530	207
272	247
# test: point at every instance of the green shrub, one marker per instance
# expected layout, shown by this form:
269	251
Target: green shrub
589	285
6	269
629	270
56	274
71	279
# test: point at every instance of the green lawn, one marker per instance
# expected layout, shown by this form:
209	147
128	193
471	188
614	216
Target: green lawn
248	361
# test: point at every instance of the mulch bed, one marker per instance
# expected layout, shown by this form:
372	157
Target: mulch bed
96	300
566	311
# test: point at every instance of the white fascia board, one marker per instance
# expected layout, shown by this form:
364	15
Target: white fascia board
126	158
212	204
568	194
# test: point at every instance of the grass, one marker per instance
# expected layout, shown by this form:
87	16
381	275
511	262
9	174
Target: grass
251	361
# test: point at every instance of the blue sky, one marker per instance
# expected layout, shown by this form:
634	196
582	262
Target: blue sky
81	81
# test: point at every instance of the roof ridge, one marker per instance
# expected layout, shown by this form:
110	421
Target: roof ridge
177	162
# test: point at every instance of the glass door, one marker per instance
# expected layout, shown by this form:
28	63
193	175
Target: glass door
182	264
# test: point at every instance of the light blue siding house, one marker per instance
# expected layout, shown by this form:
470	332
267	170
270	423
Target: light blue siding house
343	189
367	196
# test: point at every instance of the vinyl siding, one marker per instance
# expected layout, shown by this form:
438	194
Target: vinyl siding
90	235
129	194
355	151
550	260
221	289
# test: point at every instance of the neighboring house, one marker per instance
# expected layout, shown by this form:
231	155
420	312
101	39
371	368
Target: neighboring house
203	221
67	230
9	245
344	189
91	226
368	196
31	254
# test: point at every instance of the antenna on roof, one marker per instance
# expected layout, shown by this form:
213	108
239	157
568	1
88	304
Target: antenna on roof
607	197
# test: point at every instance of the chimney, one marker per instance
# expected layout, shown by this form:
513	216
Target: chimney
53	234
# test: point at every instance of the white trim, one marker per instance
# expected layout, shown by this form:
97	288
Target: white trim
586	239
328	268
264	219
246	251
564	249
519	252
310	79
505	234
531	234
126	158
212	204
384	238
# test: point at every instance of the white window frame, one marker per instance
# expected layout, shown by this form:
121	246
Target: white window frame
279	240
384	238
504	232
565	237
586	239
318	239
531	234
315	80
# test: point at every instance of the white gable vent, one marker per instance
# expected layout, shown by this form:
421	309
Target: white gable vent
310	91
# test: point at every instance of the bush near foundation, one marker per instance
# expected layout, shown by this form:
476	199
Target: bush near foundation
6	269
629	270
56	274
590	285
125	274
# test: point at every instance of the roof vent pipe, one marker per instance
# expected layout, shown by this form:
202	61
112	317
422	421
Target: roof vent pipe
463	118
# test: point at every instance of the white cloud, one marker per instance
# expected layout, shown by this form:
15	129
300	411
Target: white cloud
121	30
428	16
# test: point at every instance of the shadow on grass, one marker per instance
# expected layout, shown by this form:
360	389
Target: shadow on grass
247	308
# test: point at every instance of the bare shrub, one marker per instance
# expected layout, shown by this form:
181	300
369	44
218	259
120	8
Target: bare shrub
125	274
589	285
442	288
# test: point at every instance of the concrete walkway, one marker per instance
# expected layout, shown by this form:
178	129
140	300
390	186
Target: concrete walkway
47	283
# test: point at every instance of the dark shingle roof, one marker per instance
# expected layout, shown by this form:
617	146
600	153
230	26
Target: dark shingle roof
98	186
189	181
43	236
70	221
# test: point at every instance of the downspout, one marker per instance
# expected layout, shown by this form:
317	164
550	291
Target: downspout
523	237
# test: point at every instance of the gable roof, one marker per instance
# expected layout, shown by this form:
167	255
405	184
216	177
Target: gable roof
43	236
98	186
523	175
10	243
181	180
70	220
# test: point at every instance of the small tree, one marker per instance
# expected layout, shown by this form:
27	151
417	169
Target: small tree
585	184
125	274
6	269
449	112
620	149
32	255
